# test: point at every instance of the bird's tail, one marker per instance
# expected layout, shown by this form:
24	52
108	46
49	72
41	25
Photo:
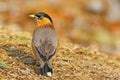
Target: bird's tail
46	70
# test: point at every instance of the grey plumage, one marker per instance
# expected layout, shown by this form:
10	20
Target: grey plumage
45	41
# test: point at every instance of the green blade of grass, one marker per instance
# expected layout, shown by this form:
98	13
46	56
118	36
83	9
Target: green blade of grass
4	66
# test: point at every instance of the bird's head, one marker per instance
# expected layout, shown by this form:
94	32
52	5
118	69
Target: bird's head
43	19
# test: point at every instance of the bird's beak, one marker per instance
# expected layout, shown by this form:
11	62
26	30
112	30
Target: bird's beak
32	15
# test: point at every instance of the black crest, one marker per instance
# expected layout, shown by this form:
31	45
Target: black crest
41	15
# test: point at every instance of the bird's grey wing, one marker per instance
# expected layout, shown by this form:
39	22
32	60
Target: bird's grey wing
46	50
45	41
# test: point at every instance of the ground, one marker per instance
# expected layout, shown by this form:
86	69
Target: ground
71	61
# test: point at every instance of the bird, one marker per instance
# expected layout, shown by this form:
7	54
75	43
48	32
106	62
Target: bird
44	42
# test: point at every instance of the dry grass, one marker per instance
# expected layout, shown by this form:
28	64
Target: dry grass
70	62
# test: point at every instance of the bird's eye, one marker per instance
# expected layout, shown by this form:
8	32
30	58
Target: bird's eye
40	17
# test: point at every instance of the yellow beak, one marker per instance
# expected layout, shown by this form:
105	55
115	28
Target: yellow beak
32	15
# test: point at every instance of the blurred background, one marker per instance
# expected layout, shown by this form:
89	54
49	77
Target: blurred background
90	23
